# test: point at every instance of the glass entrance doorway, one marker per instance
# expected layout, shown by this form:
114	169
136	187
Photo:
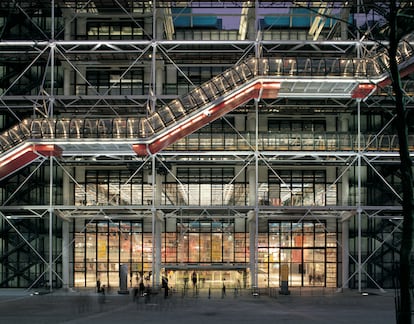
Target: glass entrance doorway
204	279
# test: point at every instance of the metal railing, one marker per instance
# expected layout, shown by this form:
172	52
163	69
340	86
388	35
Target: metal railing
269	141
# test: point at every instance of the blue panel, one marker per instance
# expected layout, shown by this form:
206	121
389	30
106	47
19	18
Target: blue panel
181	17
301	17
205	21
275	22
329	22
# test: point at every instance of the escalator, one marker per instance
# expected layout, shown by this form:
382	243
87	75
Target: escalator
281	77
22	156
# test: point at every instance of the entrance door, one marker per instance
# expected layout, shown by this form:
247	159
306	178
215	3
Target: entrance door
308	270
205	279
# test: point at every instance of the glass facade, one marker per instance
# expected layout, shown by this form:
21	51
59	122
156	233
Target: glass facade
300	188
309	251
306	247
105	245
220	138
205	242
115	82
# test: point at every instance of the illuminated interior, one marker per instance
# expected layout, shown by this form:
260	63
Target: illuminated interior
231	140
307	249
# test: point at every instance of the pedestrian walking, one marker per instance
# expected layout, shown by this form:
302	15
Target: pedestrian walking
141	287
98	285
165	285
194	279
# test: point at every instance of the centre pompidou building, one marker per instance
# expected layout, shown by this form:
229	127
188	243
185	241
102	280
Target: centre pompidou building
251	142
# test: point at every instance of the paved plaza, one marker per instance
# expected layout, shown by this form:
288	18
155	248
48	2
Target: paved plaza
317	307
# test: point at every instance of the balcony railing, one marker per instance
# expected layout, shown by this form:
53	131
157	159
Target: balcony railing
268	141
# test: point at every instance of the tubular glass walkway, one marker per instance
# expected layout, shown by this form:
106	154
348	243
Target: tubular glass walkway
271	77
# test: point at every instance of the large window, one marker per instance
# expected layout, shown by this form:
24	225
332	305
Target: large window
205	186
104	187
115	30
103	246
205	242
291	125
300	188
177	82
307	248
112	82
29	84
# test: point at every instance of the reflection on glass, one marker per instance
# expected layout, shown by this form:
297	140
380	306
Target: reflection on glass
302	247
205	247
105	245
194	247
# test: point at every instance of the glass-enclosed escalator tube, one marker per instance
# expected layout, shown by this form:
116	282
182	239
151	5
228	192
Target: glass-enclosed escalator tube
75	128
156	122
62	128
166	115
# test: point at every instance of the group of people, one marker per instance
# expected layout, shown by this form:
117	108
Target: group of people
140	290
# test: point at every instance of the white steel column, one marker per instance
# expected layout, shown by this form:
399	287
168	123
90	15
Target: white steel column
240	123
345	252
252	201
66	244
252	239
153	78
252	223
157	256
153	221
345	188
344	23
345	220
159	75
50	114
256	200
66	79
65	254
158	189
358	202
51	224
251	173
345	231
157	198
158	25
158	65
251	22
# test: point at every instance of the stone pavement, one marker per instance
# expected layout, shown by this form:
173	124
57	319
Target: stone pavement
312	306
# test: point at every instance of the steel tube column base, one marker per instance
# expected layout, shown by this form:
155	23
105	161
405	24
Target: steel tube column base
284	288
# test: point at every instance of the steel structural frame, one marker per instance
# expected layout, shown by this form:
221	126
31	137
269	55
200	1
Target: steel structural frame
155	45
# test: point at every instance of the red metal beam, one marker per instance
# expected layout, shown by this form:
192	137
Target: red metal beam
363	90
24	156
263	89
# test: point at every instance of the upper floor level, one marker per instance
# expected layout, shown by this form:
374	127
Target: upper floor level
129	58
195	20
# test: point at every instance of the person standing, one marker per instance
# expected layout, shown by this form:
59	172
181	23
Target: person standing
98	285
194	279
165	285
141	287
185	280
